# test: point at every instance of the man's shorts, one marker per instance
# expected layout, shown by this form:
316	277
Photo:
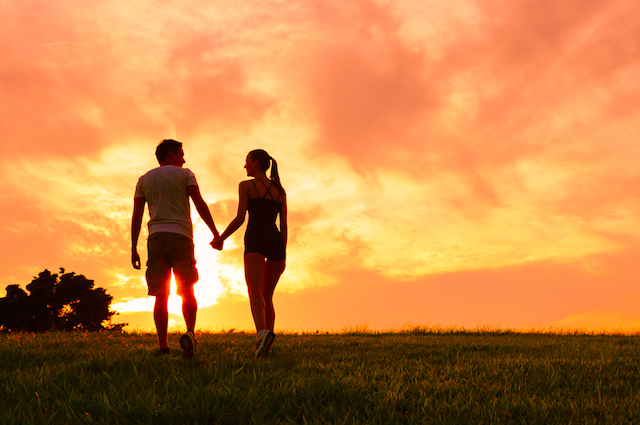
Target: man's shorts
170	251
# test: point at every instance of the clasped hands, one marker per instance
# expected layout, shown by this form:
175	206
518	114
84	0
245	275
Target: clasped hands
217	243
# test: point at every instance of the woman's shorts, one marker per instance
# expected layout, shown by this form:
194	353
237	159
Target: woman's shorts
272	248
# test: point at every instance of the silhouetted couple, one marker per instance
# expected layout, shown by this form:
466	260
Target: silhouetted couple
167	189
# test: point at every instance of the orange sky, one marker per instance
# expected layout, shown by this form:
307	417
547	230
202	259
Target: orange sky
468	163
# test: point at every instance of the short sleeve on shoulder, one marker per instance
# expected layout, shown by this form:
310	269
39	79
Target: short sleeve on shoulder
191	178
139	193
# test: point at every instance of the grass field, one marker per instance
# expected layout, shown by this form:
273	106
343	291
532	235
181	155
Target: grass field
418	376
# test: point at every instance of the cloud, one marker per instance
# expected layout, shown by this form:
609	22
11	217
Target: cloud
369	89
509	86
72	87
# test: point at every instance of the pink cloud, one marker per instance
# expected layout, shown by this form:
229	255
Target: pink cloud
199	89
382	101
369	88
73	87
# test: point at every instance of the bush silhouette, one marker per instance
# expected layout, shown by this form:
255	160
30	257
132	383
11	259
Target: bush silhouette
64	302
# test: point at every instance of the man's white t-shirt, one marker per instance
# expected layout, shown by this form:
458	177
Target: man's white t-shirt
165	190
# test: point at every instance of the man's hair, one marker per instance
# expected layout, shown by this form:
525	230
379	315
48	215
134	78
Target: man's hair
166	146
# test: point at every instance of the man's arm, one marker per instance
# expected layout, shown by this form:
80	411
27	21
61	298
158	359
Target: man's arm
136	225
202	208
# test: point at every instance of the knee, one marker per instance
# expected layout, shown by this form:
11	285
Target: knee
254	290
188	297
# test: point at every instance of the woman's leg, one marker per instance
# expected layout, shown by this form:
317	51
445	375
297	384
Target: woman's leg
273	271
254	272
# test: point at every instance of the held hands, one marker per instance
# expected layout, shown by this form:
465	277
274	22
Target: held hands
217	243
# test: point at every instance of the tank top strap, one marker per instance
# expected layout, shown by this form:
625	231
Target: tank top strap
255	187
268	189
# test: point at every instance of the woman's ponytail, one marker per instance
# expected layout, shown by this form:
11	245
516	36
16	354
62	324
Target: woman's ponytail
266	161
275	177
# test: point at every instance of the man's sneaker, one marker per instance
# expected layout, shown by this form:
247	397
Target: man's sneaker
162	352
264	339
188	343
268	341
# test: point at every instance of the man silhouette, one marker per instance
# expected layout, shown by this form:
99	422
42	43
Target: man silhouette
167	190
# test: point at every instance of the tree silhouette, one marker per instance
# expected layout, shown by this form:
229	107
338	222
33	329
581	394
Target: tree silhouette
41	302
64	302
13	308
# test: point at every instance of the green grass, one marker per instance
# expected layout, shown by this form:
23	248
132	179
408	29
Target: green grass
419	376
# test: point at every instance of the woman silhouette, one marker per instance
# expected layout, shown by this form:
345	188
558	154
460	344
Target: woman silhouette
265	245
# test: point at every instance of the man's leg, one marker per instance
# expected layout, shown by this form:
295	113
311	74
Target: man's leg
158	275
189	309
186	273
161	319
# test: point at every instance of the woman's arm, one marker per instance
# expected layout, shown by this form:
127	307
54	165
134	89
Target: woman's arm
243	202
